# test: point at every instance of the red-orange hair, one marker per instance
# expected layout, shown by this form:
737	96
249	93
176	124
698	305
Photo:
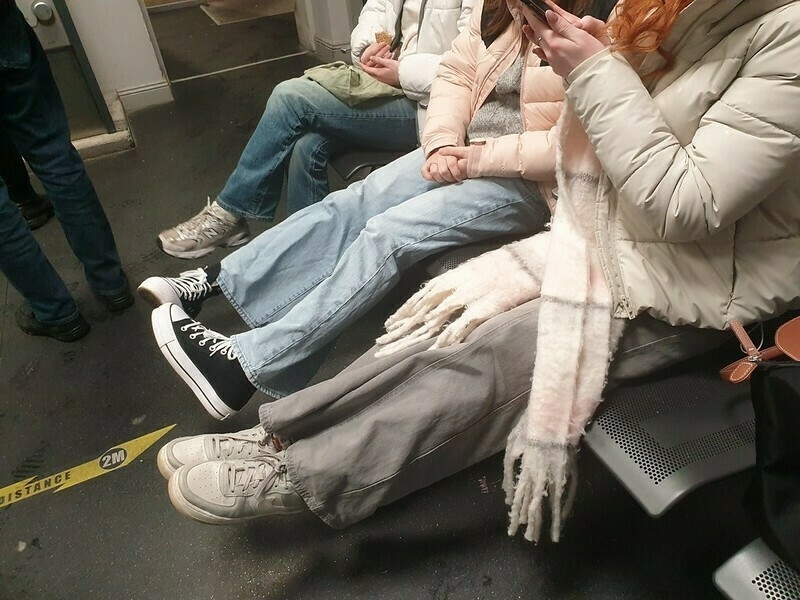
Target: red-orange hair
643	25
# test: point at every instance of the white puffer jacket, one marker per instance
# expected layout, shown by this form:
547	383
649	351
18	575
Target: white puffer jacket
426	37
702	171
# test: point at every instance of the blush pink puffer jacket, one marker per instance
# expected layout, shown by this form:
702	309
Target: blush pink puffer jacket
466	76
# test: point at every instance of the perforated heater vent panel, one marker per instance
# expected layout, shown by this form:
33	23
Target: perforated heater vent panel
779	582
659	462
665	437
452	258
757	573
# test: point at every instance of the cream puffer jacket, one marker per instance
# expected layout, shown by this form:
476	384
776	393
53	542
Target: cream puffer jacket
426	37
702	171
467	75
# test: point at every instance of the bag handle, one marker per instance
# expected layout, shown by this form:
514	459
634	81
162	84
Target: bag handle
787	343
787	338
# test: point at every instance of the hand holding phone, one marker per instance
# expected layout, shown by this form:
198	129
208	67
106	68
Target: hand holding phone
538	7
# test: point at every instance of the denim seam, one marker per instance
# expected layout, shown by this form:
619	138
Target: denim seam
356	117
244	213
252	324
229	297
305	120
294	297
324	164
386	258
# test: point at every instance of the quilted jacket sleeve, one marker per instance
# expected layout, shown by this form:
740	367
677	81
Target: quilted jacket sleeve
747	142
376	16
418	70
531	154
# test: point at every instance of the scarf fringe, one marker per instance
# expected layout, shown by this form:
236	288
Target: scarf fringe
545	471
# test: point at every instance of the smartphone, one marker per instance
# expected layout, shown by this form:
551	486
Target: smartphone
538	7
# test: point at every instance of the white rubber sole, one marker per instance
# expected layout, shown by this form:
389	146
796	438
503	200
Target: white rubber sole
233	242
198	514
164	466
161	320
155	291
191	511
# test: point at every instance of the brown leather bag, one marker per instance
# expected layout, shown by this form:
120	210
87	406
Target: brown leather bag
787	344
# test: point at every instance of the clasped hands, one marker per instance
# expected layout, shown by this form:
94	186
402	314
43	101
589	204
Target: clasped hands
565	40
378	61
447	164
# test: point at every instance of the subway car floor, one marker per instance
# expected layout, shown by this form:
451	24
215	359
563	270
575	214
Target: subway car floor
81	424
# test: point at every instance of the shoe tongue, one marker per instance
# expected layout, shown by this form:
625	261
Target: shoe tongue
228	445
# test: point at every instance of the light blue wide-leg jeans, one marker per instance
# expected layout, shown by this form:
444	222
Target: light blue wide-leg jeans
303	125
301	283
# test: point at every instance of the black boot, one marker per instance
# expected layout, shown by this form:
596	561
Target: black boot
118	302
71	331
36	209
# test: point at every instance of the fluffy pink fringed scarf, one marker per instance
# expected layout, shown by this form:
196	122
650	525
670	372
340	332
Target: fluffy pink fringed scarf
577	334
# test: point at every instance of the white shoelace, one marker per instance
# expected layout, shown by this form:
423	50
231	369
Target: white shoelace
229	445
191	285
219	343
208	218
246	479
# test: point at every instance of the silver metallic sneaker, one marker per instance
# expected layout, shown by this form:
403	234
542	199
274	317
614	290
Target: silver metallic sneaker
212	227
226	492
188	290
251	443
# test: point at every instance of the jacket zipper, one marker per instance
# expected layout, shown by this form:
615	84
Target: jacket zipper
482	86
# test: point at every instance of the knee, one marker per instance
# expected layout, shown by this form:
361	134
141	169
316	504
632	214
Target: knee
290	94
65	177
385	235
307	146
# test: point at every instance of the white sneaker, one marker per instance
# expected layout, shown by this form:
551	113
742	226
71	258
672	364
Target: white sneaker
189	290
192	450
226	492
211	227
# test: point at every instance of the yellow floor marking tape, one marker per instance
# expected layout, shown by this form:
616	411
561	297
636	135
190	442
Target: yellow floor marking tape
111	460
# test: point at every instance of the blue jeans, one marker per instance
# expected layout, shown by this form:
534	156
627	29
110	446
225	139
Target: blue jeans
33	117
301	283
303	125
